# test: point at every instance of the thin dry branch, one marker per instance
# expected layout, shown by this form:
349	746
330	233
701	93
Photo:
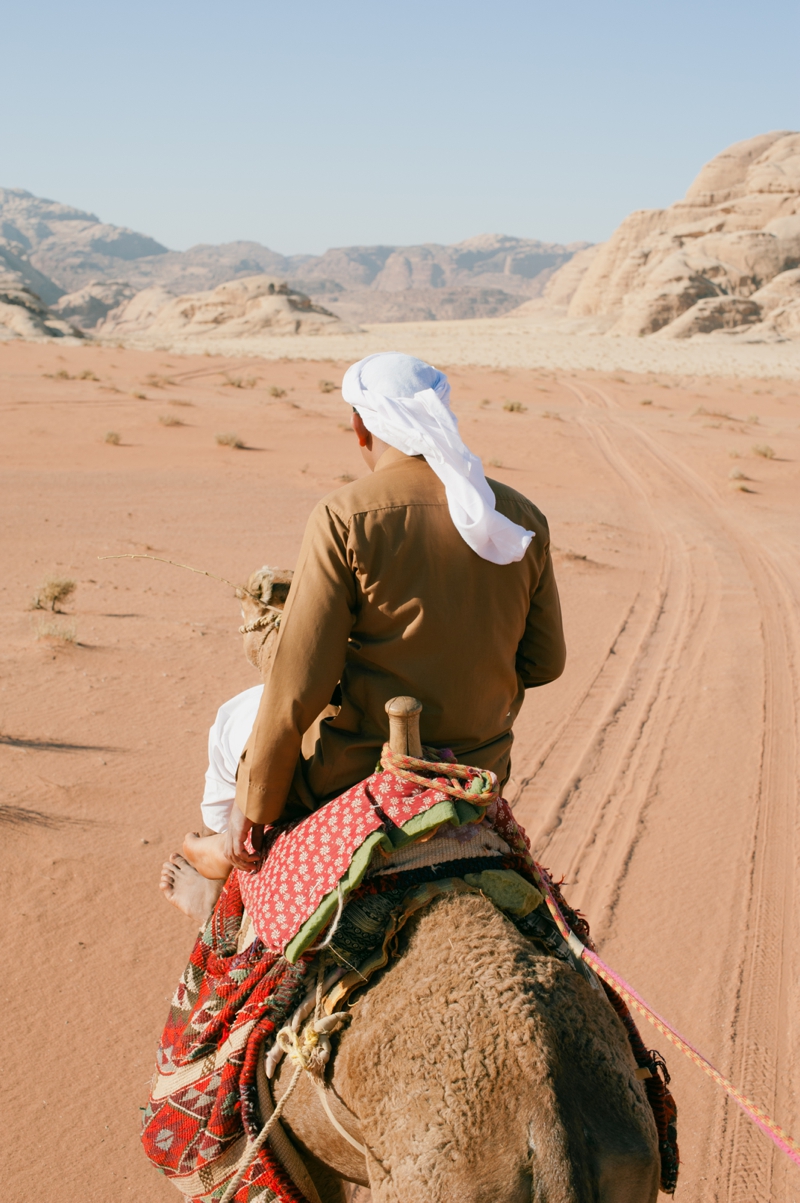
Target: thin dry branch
130	555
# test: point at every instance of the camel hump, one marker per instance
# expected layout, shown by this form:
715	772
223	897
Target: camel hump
404	737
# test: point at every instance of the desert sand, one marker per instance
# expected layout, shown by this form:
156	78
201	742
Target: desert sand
658	775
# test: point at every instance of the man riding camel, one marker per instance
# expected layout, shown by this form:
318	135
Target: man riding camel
423	578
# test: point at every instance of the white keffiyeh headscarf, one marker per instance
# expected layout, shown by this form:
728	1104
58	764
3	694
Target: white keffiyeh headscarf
404	402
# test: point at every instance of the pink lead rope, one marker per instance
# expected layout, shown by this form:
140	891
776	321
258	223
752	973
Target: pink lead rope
782	1139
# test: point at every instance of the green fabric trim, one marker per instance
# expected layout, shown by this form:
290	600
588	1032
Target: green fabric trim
452	810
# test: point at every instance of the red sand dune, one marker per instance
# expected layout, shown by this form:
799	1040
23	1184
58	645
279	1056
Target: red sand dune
659	775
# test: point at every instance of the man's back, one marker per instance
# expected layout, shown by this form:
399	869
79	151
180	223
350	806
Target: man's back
388	599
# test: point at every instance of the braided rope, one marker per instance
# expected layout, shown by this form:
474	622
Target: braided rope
757	1114
404	766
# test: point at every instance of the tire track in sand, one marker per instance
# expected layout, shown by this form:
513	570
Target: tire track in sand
761	950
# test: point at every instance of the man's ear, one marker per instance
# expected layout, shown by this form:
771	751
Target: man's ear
362	434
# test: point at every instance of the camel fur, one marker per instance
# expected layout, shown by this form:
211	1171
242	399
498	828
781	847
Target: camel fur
480	1071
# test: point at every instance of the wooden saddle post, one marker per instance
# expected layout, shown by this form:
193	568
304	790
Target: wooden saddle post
404	737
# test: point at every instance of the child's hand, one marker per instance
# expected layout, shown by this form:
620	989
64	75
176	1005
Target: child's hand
238	829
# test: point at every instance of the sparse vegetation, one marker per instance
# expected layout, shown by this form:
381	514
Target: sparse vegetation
737	474
274	391
345	426
346	477
646	401
170	420
113	437
156	381
752	419
53	593
701	411
495	463
240	381
61	631
327	386
485	402
515	407
139	396
764	450
88	374
230	440
178	401
551	413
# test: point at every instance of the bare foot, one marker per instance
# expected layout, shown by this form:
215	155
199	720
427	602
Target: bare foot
205	854
184	887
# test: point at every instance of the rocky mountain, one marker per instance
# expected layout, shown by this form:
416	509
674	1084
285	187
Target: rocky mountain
240	309
86	268
723	261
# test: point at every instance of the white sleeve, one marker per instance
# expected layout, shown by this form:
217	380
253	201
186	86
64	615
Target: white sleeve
226	740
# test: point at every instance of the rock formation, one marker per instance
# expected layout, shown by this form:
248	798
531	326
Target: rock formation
722	261
23	314
73	251
242	309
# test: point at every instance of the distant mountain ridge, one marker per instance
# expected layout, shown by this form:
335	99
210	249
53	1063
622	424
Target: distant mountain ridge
65	251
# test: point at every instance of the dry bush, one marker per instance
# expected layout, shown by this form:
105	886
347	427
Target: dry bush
764	450
54	591
327	386
646	402
345	426
550	413
515	407
178	401
737	474
495	463
88	374
274	391
113	437
240	381
156	381
170	420
60	631
139	396
229	440
346	477
485	402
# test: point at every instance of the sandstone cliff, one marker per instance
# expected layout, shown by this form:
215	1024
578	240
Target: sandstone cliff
242	309
722	261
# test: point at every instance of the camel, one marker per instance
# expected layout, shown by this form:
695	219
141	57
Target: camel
479	1071
475	1069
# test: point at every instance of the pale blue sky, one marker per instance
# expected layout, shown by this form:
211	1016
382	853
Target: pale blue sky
311	124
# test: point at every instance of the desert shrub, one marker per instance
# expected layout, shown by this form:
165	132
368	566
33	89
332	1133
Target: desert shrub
54	592
515	407
346	477
485	402
646	401
550	413
229	440
139	396
495	463
240	381
736	474
764	450
274	391
112	437
88	375
170	420
64	632
178	401
327	386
